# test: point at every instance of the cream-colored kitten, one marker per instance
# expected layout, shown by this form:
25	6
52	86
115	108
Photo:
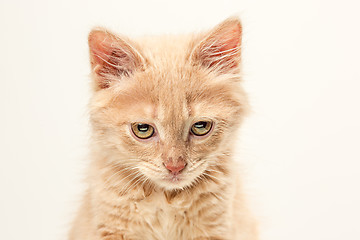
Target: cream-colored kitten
164	115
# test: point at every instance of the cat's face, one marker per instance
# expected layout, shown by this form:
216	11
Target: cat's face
169	114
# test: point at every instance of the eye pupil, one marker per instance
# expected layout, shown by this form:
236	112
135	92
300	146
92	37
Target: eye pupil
143	127
200	124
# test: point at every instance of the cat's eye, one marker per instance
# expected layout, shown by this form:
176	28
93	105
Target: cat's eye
201	128
142	130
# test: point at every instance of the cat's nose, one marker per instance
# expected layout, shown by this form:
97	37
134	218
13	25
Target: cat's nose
175	167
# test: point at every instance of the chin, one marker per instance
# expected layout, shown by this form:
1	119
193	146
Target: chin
179	182
170	186
171	182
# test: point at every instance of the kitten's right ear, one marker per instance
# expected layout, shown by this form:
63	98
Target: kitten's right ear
111	58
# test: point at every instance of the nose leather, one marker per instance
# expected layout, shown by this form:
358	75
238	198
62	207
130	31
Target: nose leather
175	166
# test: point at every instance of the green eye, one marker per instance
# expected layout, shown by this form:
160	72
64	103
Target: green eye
201	128
142	130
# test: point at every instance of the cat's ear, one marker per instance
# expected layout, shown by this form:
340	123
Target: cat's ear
111	58
220	49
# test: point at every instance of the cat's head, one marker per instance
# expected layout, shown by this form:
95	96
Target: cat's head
167	108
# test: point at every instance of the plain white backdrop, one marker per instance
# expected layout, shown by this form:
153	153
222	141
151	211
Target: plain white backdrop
300	147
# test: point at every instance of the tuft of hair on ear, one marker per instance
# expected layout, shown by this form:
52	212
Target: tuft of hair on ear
112	58
220	50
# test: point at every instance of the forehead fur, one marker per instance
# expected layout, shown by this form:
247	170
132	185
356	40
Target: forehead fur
170	81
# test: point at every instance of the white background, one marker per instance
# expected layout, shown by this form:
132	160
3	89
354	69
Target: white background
300	146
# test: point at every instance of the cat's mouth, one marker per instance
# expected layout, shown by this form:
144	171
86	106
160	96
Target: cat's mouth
174	178
174	181
180	179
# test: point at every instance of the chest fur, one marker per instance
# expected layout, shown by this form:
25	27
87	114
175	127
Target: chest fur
161	217
164	217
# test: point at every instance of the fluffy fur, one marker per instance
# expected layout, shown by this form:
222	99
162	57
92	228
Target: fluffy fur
168	82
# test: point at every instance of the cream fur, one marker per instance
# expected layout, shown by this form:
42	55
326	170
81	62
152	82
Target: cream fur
168	82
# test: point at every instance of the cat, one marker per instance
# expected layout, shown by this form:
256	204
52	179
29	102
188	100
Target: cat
164	115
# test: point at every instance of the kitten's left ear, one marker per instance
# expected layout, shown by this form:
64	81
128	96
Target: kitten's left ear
220	49
112	58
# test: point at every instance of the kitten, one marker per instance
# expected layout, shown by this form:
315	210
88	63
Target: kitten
164	115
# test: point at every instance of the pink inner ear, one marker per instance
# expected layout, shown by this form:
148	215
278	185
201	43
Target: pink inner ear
222	49
100	44
232	39
111	57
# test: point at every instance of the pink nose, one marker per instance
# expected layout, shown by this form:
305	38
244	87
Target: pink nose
175	167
